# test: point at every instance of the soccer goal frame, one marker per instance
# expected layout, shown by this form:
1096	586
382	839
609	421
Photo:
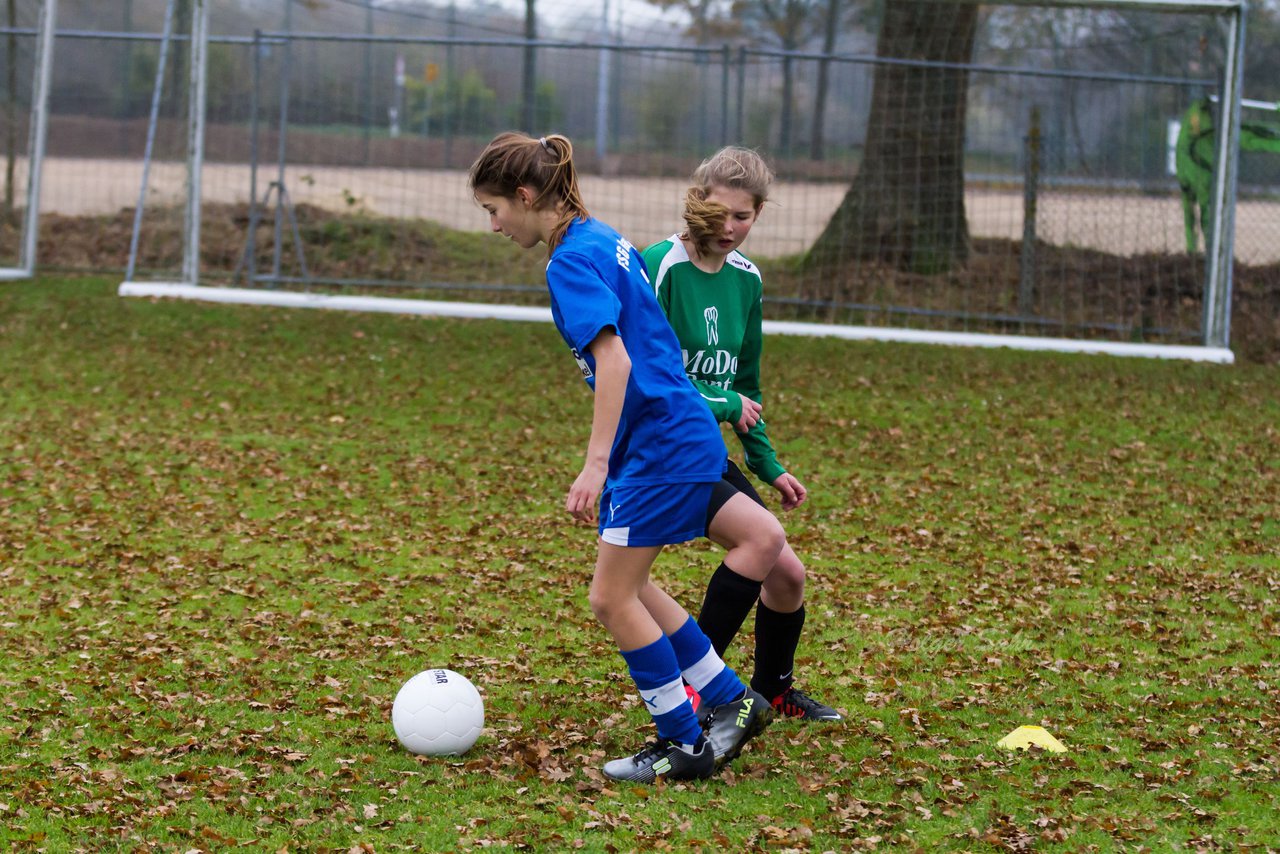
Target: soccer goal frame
197	88
37	137
1216	316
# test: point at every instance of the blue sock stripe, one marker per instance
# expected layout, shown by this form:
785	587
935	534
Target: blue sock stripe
690	644
680	725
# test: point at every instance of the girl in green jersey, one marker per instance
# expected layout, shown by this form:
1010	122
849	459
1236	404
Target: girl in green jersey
711	294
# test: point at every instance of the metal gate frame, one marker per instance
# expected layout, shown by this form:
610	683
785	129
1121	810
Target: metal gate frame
37	136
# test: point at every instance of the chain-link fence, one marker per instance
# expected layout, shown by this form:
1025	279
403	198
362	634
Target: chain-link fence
354	146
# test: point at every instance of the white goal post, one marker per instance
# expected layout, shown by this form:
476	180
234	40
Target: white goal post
1215	328
38	133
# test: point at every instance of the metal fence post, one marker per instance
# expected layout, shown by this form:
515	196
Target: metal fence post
530	79
367	83
286	59
39	133
726	57
451	77
166	39
602	90
742	93
251	242
196	95
1220	248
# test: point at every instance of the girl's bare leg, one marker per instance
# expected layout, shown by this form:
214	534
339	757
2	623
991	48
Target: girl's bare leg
752	536
783	589
621	573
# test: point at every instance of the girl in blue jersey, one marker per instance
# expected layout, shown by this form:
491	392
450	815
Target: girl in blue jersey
652	460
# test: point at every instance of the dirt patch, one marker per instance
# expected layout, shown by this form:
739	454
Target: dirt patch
1075	292
643	208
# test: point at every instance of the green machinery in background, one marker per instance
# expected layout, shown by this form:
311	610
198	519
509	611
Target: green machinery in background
1194	160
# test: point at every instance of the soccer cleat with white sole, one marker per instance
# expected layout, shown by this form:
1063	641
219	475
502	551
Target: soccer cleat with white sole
666	759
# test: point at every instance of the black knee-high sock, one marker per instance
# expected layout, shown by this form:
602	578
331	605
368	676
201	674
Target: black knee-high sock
777	636
727	602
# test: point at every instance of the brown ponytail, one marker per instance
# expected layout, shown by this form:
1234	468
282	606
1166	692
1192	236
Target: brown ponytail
545	164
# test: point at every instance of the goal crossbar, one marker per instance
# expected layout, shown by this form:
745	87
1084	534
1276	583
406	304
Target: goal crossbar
495	311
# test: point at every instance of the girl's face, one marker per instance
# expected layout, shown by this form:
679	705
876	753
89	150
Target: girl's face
513	216
737	225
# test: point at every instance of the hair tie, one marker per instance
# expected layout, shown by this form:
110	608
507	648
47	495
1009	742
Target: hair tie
546	145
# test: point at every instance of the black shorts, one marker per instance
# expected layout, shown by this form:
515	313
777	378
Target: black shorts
733	482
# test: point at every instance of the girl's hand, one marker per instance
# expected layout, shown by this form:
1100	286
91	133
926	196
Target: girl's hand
792	490
584	495
750	414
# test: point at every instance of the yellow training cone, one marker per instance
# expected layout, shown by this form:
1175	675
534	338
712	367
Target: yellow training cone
1025	736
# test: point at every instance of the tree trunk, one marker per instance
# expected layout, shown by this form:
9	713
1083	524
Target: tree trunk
905	206
11	117
816	142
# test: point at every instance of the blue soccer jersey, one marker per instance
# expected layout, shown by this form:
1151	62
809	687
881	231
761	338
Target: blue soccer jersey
666	433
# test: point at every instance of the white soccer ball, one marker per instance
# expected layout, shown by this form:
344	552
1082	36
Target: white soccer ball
438	713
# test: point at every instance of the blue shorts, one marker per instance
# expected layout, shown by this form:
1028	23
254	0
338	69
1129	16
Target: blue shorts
657	515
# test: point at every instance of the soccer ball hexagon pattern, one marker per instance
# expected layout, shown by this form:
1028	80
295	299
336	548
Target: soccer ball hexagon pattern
438	713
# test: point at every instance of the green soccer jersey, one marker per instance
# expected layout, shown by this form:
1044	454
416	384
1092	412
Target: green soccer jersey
716	316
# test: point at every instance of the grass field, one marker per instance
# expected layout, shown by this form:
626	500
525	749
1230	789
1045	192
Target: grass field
228	534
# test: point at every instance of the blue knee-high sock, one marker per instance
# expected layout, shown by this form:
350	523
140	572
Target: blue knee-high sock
714	680
657	675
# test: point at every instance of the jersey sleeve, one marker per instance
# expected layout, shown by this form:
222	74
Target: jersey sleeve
761	458
725	405
587	303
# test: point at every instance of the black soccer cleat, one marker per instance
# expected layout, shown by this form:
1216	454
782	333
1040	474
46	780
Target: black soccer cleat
731	725
666	759
792	703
